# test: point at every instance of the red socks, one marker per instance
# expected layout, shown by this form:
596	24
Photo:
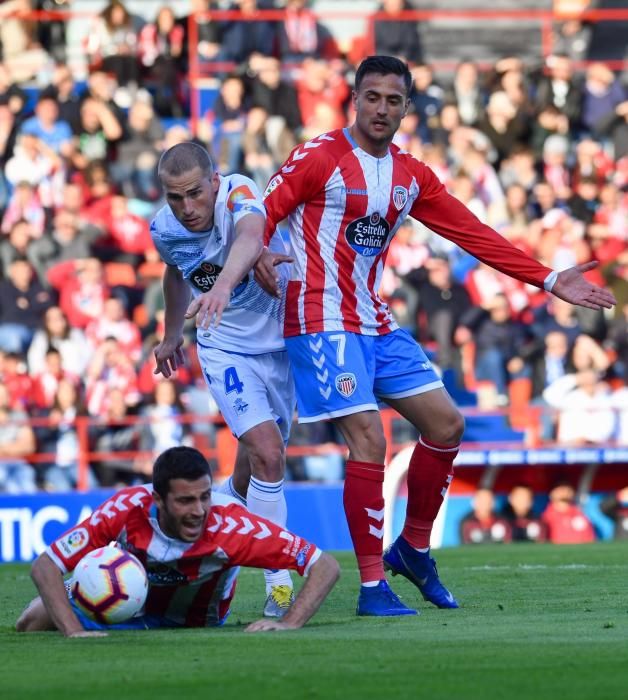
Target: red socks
429	474
364	509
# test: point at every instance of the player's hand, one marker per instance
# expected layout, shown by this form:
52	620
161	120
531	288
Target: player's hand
169	356
572	286
270	625
265	274
208	307
87	633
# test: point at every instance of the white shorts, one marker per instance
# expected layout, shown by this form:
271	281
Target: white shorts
250	389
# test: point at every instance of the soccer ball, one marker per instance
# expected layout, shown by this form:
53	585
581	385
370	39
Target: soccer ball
109	585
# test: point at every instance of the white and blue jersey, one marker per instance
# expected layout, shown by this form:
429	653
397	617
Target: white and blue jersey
252	322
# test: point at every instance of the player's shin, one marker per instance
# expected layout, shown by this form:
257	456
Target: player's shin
364	509
429	474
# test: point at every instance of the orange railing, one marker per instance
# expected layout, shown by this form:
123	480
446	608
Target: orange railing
224	446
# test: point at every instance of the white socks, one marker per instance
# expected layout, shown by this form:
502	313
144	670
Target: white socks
267	499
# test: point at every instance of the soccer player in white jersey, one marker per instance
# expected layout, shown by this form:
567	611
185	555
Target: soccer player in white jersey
191	542
210	234
346	193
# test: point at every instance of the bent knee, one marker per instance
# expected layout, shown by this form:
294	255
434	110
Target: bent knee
449	431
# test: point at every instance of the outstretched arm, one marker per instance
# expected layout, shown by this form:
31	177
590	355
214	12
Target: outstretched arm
322	577
571	286
168	353
246	249
53	609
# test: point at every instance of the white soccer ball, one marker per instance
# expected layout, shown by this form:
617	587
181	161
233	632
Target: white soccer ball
109	585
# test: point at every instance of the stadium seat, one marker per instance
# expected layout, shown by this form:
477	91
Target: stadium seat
120	274
149	271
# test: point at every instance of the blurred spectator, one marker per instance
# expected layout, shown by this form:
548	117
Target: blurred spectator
572	38
115	433
68	100
498	339
615	127
138	152
40	166
112	45
21	53
467	94
60	438
321	87
20	243
113	323
11	93
602	94
109	370
163	430
99	130
25	205
427	98
566	522
482	525
618	341
615	506
301	36
504	124
57	333
208	32
224	126
128	238
525	524
82	289
585	414
395	36
8	135
241	38
15	377
548	122
69	239
47	126
46	382
560	89
23	301
51	32
274	114
17	442
160	50
441	305
519	168
549	360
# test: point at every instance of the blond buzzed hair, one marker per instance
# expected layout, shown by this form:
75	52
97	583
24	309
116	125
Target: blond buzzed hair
184	157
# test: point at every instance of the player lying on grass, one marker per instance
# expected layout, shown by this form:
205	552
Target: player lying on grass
191	542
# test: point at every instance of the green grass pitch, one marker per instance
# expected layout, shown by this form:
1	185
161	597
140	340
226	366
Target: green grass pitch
537	621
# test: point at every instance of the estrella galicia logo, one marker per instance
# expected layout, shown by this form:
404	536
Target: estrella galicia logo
368	234
346	384
205	276
160	574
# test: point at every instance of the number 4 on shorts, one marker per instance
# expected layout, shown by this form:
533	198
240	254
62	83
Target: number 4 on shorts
232	381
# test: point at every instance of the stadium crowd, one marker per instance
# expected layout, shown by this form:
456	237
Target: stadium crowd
540	153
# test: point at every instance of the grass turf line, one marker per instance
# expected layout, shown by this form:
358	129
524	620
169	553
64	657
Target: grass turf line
537	621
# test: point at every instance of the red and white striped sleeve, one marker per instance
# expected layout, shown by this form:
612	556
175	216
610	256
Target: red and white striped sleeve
447	216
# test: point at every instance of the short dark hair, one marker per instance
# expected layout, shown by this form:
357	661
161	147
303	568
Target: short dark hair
178	463
184	157
383	65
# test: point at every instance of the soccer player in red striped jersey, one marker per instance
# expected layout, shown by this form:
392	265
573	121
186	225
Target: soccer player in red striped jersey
345	194
191	542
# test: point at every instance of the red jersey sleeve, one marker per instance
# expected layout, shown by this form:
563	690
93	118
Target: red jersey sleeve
302	176
447	216
103	526
250	540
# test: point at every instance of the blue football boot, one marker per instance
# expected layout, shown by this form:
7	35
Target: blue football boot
420	569
380	601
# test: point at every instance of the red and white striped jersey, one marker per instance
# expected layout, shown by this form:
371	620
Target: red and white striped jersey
190	583
344	207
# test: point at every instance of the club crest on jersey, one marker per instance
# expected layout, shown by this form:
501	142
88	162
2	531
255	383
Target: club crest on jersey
400	197
240	406
367	235
346	384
